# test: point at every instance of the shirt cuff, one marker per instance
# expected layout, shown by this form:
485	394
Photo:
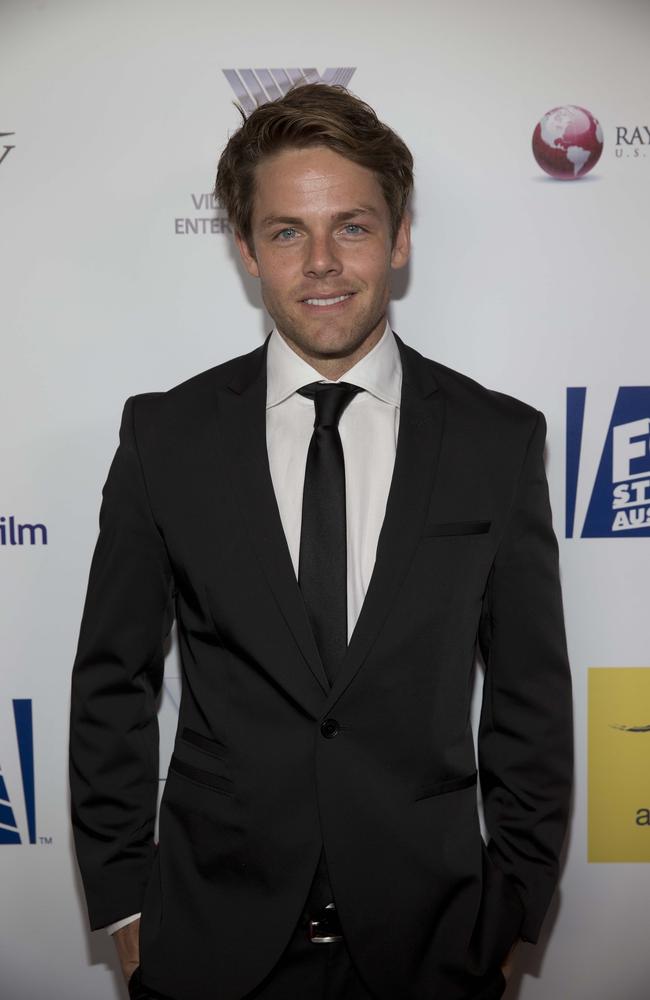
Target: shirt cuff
111	928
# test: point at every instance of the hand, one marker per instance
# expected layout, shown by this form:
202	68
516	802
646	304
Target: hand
127	942
506	965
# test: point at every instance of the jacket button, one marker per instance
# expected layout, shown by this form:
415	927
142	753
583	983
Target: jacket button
329	728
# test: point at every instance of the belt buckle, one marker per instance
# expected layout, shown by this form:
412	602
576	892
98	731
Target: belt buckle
319	931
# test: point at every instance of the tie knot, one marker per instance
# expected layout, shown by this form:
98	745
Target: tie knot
330	399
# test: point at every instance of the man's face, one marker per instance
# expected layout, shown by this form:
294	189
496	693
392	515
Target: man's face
321	247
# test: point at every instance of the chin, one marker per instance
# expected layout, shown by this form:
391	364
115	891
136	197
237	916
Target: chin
334	345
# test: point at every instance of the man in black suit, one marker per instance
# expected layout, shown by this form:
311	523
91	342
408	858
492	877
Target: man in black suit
337	522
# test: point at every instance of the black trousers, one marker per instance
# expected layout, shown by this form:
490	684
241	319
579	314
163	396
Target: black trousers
304	970
313	971
308	971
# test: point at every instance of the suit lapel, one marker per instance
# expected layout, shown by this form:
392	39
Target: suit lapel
243	437
416	458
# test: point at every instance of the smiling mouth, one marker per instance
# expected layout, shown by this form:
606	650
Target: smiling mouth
332	300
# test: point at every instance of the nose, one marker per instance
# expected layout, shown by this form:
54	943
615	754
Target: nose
321	257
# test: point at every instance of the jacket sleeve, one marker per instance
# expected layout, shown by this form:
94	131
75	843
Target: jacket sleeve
525	745
116	678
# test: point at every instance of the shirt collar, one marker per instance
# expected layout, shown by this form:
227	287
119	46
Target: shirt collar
378	372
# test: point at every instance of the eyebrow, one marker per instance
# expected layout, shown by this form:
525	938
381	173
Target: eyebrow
290	220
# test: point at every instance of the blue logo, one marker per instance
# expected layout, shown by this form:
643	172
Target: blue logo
619	504
14	533
9	832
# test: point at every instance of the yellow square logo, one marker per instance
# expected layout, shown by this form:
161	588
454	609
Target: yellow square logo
619	764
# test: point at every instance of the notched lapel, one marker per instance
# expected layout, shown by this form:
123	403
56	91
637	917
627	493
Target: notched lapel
416	459
242	433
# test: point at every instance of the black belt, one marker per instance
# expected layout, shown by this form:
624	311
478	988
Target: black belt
323	926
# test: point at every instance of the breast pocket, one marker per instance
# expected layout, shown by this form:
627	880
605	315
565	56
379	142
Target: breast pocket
442	529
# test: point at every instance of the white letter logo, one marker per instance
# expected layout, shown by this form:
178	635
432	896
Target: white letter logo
625	448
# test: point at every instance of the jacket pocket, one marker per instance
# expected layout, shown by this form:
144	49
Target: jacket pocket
210	746
456	528
218	782
442	787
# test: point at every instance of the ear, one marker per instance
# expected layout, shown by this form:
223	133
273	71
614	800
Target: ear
402	245
247	255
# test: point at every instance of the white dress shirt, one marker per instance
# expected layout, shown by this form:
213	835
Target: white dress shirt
368	429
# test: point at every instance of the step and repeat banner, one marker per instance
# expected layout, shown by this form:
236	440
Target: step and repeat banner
530	128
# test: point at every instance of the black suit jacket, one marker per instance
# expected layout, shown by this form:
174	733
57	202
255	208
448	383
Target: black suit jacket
269	761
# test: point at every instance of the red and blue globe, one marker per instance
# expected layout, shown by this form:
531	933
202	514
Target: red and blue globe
567	142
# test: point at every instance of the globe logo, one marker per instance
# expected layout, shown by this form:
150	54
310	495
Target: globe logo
567	142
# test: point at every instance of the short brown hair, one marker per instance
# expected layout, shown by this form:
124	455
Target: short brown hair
312	114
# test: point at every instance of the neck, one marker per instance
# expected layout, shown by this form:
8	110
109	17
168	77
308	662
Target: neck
335	367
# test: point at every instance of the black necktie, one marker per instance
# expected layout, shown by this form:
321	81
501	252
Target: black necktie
322	567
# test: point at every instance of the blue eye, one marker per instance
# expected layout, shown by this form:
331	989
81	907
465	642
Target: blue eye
280	235
355	226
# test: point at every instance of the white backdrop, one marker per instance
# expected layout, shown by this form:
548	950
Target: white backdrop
118	111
